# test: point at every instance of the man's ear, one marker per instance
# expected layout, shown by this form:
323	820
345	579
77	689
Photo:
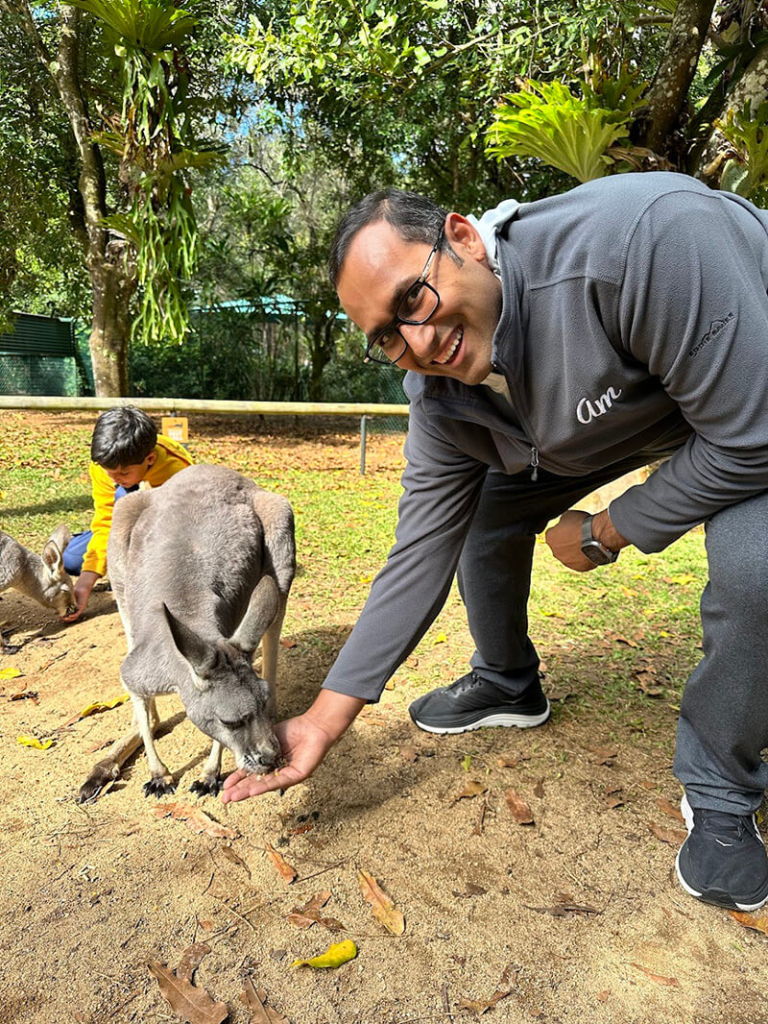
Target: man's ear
464	238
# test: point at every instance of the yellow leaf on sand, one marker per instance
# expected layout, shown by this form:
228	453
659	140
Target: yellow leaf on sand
336	955
10	673
441	638
33	741
384	910
93	709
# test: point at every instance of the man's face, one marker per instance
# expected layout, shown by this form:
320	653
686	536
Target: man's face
129	476
456	340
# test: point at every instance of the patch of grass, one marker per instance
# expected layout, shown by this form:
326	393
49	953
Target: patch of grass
601	633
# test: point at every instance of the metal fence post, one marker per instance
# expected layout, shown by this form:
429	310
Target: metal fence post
362	444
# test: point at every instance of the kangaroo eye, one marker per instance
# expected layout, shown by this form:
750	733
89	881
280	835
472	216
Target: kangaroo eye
239	724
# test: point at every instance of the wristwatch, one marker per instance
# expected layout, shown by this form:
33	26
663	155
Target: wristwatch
593	549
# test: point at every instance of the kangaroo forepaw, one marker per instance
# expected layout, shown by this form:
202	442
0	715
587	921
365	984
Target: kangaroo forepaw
100	776
159	787
208	786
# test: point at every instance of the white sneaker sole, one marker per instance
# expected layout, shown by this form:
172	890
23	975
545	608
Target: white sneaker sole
687	812
503	719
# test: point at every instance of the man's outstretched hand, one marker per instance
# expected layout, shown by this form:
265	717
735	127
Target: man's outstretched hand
304	742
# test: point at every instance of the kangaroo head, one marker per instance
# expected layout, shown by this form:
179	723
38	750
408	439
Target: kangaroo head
227	700
57	590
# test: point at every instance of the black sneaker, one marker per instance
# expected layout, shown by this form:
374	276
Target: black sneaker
723	860
474	703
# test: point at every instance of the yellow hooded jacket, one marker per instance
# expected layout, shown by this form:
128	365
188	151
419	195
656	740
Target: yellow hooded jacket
171	457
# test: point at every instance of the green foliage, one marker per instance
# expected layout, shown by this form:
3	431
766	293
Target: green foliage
746	173
575	134
153	26
153	141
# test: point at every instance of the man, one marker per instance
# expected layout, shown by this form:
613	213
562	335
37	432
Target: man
552	347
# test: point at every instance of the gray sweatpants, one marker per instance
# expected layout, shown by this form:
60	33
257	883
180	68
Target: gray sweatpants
724	713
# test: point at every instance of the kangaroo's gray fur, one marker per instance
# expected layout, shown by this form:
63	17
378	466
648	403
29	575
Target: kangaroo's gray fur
201	568
43	579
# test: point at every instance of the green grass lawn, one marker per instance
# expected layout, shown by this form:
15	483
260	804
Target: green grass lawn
627	634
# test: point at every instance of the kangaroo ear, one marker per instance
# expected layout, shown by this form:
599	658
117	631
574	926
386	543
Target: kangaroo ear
54	549
201	656
52	559
260	614
61	536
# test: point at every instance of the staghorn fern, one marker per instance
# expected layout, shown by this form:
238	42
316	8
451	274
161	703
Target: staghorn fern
574	134
746	173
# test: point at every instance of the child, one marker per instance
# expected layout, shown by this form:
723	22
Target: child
125	449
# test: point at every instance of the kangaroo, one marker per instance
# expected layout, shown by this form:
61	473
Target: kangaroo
201	568
43	579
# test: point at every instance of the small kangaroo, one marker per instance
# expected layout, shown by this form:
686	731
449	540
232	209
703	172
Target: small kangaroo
201	568
43	579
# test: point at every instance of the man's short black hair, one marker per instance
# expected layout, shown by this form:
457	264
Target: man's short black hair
123	436
415	218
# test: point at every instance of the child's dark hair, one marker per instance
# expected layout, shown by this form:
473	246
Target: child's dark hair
123	436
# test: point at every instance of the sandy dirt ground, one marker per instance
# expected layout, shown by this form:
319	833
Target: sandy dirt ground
575	917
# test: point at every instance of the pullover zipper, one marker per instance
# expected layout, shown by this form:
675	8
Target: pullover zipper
534	464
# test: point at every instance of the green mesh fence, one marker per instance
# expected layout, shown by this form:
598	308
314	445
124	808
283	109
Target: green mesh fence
38	375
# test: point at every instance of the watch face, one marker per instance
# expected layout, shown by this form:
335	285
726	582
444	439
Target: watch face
596	553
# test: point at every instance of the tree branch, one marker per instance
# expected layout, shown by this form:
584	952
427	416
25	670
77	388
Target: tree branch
669	89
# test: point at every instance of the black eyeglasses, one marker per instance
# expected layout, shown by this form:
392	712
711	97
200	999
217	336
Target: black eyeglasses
416	307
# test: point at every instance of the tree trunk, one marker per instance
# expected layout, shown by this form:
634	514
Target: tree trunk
669	89
109	265
111	325
751	87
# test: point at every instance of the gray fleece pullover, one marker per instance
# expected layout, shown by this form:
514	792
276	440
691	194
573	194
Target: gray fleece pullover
634	317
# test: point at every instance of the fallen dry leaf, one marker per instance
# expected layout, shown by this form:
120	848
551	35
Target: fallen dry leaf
288	644
511	762
98	706
479	1006
309	914
471	790
235	858
188	1002
409	753
33	741
673	836
758	922
22	694
384	909
613	797
195	819
564	906
538	789
99	745
336	955
521	812
256	1001
191	959
603	755
658	978
472	890
670	809
288	873
560	695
